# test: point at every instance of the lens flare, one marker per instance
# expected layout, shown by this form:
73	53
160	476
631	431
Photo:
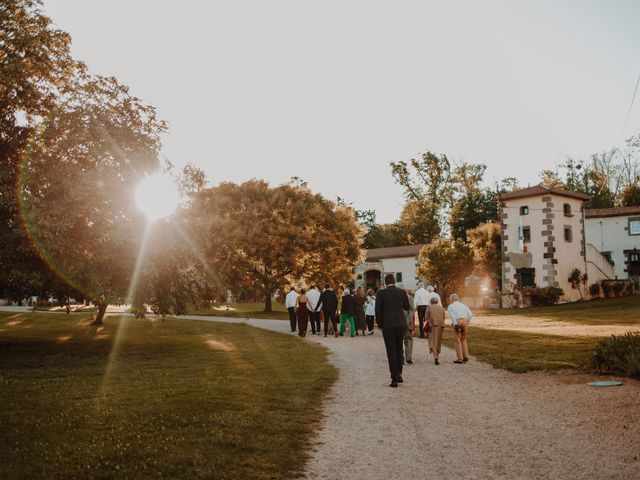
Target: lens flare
157	196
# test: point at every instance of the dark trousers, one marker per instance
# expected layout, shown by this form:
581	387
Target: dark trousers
329	316
370	319
314	318
393	338
292	318
422	311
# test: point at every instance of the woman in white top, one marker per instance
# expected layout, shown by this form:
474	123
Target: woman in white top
370	310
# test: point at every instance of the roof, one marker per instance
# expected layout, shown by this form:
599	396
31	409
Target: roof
543	190
394	252
611	212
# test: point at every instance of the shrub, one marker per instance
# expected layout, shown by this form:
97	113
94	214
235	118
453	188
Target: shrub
620	354
594	290
544	295
618	287
607	288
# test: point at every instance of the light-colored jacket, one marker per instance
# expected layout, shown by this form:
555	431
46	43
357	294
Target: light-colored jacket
370	306
313	295
459	311
290	299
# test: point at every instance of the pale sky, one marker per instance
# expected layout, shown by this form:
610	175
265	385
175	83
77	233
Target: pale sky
332	91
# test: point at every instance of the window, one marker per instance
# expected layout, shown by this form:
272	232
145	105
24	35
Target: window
526	277
399	277
568	234
634	226
524	210
526	234
567	210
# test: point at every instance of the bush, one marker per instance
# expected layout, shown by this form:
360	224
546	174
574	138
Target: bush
607	288
618	287
544	295
594	290
620	354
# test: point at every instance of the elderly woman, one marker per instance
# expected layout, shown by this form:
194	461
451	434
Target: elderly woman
435	319
370	312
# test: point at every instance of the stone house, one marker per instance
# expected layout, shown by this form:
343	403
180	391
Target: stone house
402	261
543	240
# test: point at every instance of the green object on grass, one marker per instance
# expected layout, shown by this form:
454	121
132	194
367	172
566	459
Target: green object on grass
605	383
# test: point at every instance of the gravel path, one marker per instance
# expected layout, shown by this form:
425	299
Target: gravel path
467	421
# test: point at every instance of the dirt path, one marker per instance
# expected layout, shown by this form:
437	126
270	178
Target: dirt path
467	421
548	326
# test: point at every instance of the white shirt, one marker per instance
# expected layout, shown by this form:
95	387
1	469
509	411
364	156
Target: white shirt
421	298
436	296
313	295
371	306
290	299
459	311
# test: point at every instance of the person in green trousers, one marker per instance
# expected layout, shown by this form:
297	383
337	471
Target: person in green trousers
348	312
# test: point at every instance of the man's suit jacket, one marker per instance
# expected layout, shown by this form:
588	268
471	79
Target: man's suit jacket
391	303
328	301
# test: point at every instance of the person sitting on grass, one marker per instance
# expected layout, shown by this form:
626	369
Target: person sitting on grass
460	317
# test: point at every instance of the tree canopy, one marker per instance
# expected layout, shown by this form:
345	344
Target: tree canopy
263	238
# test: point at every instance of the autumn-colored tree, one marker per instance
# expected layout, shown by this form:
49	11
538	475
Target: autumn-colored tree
35	66
259	237
446	263
485	241
472	210
77	186
630	196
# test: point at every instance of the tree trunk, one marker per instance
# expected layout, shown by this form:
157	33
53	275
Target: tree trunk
102	308
267	303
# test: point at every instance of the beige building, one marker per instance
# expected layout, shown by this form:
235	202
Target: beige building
402	261
616	233
543	240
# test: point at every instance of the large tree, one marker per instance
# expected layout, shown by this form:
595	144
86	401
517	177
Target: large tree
446	263
77	186
263	238
35	67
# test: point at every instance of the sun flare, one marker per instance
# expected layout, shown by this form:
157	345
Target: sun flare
157	196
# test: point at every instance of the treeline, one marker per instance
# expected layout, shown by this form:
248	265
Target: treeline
73	149
445	198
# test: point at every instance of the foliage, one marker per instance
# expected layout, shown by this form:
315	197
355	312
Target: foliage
144	412
543	295
472	210
619	354
485	240
630	196
577	279
264	238
594	290
35	65
418	223
446	263
78	182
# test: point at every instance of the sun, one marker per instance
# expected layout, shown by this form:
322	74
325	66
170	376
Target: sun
157	196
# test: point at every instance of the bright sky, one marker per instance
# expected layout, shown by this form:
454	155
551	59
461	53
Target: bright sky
332	91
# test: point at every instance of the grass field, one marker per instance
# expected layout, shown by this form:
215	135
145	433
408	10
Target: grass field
606	311
152	398
242	310
524	352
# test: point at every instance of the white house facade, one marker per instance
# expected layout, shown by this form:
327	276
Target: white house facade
615	232
401	261
543	240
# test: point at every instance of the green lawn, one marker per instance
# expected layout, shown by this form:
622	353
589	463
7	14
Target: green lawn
242	310
524	352
175	399
606	311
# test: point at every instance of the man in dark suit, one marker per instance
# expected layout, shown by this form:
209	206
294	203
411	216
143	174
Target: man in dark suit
391	304
328	302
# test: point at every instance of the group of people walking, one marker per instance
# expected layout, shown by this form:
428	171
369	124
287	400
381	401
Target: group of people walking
313	307
393	308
